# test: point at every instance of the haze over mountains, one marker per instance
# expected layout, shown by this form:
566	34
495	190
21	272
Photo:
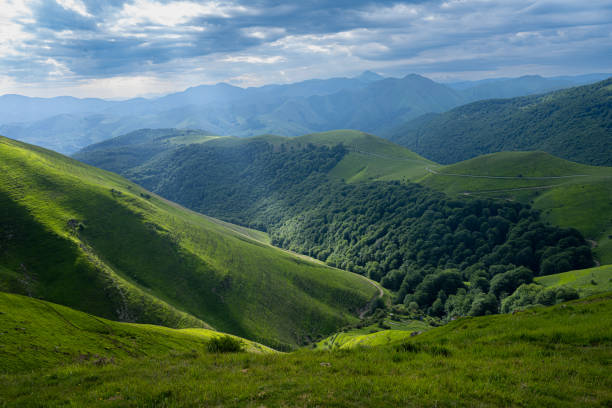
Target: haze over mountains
575	124
368	102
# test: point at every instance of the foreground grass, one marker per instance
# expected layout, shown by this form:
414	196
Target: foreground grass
36	334
557	356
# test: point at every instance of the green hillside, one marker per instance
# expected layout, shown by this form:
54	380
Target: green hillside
91	240
368	157
568	194
417	242
38	334
585	281
573	124
553	356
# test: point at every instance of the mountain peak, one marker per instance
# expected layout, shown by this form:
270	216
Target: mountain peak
369	76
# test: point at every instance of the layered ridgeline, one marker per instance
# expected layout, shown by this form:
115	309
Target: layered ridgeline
367	102
573	124
421	243
85	238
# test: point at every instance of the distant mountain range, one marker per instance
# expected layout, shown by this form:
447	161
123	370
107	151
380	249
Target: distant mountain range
367	102
574	124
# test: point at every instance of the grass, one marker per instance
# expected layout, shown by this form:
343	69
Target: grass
556	356
110	248
372	335
581	198
370	158
585	281
37	334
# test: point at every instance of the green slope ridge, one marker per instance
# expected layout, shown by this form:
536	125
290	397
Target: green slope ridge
568	194
553	356
573	124
368	158
39	334
89	239
417	242
585	281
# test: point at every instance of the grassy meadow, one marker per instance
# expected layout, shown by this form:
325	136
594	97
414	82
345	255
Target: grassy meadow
554	356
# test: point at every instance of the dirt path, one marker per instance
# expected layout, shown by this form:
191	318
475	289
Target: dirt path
506	190
505	177
382	156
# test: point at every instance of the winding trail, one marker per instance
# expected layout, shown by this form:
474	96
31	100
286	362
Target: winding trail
505	177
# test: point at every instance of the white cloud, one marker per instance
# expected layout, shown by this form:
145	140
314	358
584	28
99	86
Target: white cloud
252	59
264	33
74	5
57	69
172	14
396	12
12	34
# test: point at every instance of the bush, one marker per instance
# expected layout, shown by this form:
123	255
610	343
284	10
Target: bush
484	304
224	344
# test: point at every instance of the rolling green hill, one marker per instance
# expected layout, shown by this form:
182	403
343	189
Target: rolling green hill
91	240
38	334
585	281
568	194
417	242
573	124
368	157
553	356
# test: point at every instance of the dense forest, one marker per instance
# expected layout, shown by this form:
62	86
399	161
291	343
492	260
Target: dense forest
442	255
574	124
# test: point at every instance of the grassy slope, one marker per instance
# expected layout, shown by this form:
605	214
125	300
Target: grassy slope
148	260
370	158
556	356
372	336
38	334
586	281
583	201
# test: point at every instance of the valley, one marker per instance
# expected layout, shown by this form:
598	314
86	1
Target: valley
153	261
305	204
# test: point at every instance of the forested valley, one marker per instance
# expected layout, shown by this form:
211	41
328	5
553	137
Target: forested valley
440	255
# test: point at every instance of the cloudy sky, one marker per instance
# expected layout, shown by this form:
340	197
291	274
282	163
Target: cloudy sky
120	48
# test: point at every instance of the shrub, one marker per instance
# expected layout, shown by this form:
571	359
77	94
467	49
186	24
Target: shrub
224	344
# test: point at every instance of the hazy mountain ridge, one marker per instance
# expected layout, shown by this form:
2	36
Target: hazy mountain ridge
368	102
574	124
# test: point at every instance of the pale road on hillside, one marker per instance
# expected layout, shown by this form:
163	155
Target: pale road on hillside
504	177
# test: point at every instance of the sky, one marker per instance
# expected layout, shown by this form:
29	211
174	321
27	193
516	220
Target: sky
121	49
